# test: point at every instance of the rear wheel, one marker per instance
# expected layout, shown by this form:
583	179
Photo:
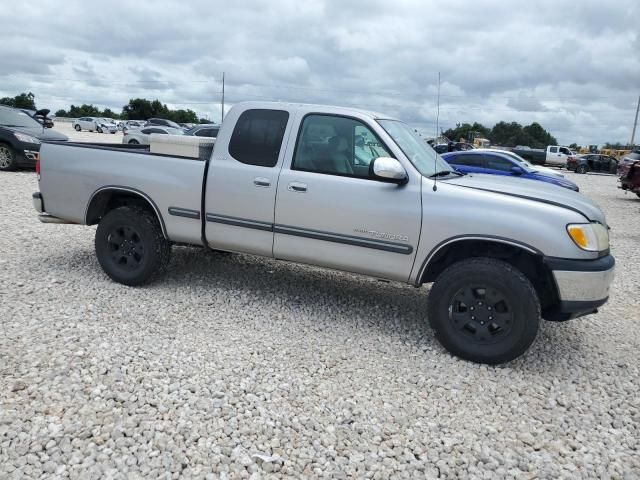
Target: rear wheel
130	246
582	169
484	310
7	158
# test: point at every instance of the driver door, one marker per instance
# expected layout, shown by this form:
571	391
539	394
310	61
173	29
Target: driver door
330	212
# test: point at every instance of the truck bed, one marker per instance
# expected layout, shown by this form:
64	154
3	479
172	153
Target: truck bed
72	173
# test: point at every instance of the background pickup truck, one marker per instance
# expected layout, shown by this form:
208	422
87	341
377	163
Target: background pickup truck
350	190
553	155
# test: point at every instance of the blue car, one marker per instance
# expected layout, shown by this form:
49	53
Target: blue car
496	163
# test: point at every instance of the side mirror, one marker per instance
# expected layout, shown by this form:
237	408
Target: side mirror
387	169
517	170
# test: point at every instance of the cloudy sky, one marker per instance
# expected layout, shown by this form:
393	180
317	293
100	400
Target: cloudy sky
573	66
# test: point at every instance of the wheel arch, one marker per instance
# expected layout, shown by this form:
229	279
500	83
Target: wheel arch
110	197
527	259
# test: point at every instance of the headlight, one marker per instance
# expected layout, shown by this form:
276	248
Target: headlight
26	138
592	237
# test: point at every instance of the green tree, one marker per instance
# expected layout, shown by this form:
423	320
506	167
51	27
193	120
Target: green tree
62	113
84	110
24	100
467	132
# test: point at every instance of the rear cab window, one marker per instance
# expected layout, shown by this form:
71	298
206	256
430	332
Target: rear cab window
257	137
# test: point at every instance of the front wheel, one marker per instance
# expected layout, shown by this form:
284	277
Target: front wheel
77	128
99	129
134	142
130	246
484	310
581	169
7	158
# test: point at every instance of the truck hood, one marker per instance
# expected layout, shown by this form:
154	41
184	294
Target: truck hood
532	190
42	133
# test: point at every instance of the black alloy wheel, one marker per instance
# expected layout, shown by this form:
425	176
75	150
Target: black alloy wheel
481	313
125	247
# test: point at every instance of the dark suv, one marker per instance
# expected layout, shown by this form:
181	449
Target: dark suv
20	137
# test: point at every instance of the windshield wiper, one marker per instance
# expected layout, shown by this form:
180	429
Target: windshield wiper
444	173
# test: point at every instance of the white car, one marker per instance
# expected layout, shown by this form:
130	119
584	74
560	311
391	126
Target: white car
94	124
141	137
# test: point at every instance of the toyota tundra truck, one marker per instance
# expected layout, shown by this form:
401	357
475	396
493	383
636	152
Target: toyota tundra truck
350	190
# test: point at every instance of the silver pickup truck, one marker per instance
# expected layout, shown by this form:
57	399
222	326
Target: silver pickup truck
350	190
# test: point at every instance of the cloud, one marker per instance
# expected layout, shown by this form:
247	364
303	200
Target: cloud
557	63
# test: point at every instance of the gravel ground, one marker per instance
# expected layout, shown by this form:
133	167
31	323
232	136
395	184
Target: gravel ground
237	367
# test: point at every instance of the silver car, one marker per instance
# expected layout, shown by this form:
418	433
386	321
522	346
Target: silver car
94	124
142	136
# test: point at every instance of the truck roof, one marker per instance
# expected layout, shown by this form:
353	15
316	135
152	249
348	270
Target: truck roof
323	108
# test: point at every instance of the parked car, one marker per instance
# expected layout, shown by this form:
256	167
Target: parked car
20	138
625	162
107	125
163	122
630	181
592	162
522	161
498	163
135	124
141	136
204	130
554	155
452	147
284	182
94	124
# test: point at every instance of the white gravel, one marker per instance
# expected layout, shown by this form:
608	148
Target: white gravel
237	367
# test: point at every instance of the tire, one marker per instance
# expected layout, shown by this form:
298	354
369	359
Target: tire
7	158
582	169
130	246
133	141
491	288
99	129
77	128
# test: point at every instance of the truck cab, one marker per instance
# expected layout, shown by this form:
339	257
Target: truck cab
557	155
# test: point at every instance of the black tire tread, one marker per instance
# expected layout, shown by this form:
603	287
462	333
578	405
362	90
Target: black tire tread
161	245
501	268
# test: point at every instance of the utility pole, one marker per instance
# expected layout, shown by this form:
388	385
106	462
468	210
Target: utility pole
222	109
438	110
635	124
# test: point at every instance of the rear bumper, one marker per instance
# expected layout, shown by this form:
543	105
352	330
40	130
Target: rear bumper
583	285
38	202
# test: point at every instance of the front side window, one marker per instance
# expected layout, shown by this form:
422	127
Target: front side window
257	137
499	163
467	160
565	151
336	145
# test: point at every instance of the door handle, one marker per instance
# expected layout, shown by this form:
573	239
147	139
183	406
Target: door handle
297	187
261	182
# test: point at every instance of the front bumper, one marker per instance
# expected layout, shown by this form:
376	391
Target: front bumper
583	285
27	157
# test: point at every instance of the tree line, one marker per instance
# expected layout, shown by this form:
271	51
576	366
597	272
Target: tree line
506	134
136	109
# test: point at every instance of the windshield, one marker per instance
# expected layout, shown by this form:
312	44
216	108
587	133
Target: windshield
421	155
17	118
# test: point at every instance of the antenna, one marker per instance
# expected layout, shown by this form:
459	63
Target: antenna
435	179
222	106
